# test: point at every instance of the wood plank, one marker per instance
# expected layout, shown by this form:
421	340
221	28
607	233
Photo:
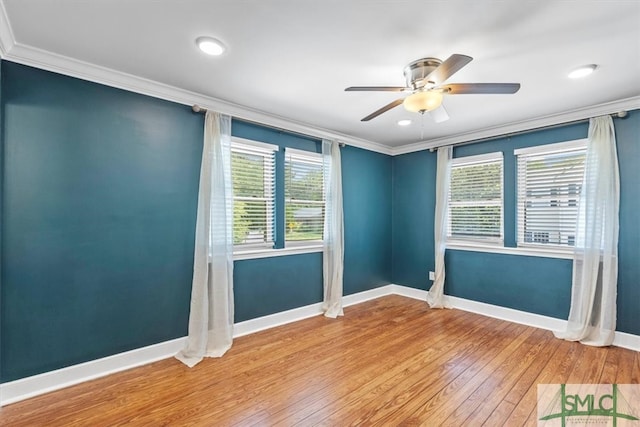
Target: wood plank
558	366
501	392
626	373
391	392
513	397
407	365
348	359
367	369
437	402
389	361
475	409
610	368
231	400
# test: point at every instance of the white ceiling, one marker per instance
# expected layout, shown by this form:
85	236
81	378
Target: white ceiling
293	58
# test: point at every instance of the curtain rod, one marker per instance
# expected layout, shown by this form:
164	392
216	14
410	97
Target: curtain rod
621	114
198	109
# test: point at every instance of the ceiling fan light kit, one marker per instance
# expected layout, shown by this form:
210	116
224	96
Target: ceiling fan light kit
420	102
424	79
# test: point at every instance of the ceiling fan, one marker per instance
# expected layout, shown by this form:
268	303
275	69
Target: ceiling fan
425	78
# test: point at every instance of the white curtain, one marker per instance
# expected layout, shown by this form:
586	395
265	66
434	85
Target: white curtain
592	316
211	315
333	251
435	296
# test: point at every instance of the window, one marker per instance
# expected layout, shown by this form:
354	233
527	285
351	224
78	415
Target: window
253	175
549	184
253	170
304	197
475	199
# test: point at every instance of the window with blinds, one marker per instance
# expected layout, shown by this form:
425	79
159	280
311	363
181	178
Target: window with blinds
475	205
253	175
304	197
549	184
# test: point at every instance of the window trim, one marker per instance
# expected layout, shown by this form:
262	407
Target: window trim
257	147
479	241
510	250
312	157
555	148
478	158
557	250
273	252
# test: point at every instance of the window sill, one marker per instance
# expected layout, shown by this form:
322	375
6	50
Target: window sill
268	253
522	251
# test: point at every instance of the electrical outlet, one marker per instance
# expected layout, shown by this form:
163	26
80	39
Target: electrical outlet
432	275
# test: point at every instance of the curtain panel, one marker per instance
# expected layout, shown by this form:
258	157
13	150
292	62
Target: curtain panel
592	316
435	296
211	314
333	245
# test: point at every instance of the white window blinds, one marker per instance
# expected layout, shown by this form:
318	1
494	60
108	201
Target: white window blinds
253	174
304	197
549	184
475	206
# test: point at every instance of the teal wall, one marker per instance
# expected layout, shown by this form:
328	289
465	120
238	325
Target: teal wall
99	203
366	190
532	284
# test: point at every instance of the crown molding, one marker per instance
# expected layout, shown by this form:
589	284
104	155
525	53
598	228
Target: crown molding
39	58
6	35
524	125
28	55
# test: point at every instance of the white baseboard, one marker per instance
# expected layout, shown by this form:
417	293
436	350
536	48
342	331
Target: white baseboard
25	388
621	339
272	320
35	385
406	291
354	299
625	340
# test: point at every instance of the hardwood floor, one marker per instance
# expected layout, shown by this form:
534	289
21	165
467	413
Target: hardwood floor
389	361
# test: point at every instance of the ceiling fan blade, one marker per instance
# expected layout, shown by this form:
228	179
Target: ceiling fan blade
376	89
472	88
448	68
440	114
384	109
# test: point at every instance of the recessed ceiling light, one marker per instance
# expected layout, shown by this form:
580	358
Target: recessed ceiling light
582	71
404	122
210	46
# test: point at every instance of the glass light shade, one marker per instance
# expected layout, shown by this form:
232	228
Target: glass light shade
422	101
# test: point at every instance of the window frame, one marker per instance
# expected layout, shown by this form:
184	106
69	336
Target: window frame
521	189
488	241
313	157
257	148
